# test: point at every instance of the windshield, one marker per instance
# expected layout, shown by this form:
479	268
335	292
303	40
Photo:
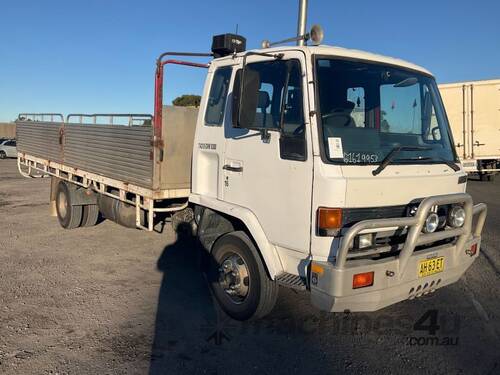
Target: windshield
369	109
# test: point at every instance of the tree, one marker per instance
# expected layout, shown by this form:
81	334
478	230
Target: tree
187	101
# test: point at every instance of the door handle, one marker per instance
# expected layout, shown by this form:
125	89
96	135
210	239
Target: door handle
230	168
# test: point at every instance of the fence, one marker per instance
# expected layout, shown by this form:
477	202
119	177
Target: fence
7	130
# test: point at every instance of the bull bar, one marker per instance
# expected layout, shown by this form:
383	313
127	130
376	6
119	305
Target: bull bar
415	236
331	288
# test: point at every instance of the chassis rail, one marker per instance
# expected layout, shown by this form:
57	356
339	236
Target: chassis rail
415	237
142	198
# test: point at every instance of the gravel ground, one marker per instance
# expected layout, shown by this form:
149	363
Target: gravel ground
111	300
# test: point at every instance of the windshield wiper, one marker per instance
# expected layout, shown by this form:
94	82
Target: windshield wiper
439	160
390	156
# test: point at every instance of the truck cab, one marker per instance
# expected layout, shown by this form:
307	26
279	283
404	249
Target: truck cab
332	171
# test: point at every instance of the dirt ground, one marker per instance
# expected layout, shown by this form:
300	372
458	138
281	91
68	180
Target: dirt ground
111	300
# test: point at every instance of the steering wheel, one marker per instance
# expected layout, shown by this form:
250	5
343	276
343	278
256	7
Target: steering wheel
336	114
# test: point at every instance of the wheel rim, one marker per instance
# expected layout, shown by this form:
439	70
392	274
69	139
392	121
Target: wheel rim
234	278
62	204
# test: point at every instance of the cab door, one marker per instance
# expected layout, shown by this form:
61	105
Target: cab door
268	160
209	139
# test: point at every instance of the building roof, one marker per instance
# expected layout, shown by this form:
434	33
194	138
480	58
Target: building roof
477	83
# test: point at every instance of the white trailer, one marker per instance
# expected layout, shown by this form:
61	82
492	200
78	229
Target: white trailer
319	168
473	109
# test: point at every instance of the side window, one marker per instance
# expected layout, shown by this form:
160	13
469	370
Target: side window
273	100
356	95
271	75
217	97
293	140
293	116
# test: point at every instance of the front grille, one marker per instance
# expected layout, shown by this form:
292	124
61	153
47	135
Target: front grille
351	216
388	242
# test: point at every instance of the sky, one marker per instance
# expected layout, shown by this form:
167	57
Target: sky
98	56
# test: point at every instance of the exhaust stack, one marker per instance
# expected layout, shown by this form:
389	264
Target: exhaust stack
315	35
301	24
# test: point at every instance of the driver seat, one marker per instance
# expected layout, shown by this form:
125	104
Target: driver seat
341	115
262	119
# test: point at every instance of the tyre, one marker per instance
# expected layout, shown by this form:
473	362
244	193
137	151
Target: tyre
3	155
491	177
90	215
184	216
483	176
238	278
69	216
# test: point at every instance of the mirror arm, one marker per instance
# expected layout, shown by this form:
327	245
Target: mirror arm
265	136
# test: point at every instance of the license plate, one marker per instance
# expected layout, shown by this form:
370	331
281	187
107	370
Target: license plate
429	267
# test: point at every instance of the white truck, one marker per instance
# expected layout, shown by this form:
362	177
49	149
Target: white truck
473	109
319	168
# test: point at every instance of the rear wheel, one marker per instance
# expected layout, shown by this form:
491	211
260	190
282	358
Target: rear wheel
69	216
3	155
238	278
90	215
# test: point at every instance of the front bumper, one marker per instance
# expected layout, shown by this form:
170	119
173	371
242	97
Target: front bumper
396	278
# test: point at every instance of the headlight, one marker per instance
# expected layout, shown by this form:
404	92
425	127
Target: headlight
431	223
364	240
456	217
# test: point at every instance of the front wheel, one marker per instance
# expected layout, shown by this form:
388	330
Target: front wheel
3	155
238	278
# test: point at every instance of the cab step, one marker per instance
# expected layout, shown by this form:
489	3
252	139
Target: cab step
291	281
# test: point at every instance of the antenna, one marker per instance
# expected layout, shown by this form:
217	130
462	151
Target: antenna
236	32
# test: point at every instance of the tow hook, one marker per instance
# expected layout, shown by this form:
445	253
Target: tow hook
472	251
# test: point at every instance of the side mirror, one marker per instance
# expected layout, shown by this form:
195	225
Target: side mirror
245	97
